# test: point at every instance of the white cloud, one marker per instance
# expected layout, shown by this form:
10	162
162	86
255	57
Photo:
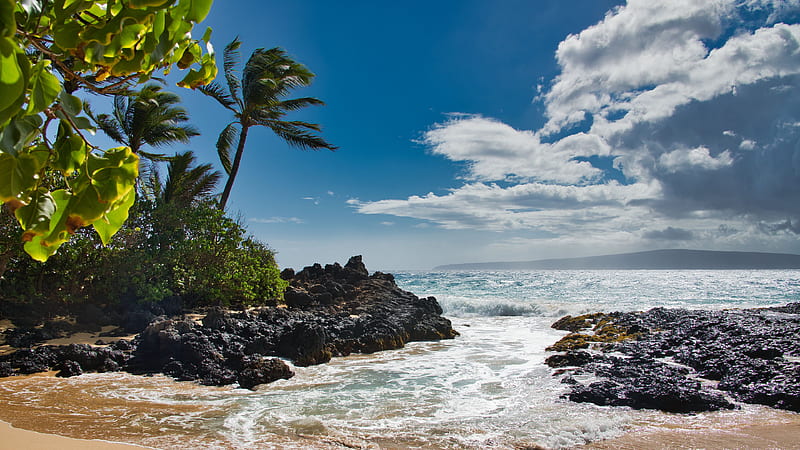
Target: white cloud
694	101
496	151
295	220
694	159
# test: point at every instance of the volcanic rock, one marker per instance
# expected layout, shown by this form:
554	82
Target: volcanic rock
751	353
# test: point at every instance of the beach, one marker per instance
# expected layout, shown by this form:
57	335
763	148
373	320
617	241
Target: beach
487	388
19	439
774	433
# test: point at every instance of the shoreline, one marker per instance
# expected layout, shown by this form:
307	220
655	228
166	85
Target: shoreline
784	435
18	438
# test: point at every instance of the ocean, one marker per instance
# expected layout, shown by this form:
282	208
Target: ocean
488	388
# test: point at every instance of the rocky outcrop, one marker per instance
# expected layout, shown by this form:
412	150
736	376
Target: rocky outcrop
68	360
331	311
683	360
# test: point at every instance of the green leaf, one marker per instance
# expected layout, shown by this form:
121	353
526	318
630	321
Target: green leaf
35	217
113	174
109	224
12	77
143	4
41	247
19	174
70	150
8	26
19	133
71	104
83	123
67	35
198	10
44	87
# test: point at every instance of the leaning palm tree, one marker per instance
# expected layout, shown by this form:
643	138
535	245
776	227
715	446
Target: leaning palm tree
147	117
259	98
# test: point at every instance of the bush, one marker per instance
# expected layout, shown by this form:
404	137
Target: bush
194	252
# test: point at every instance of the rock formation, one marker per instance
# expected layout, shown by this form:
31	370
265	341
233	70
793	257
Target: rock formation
680	360
330	311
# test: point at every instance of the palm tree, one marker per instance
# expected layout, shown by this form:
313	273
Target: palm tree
258	98
186	184
147	117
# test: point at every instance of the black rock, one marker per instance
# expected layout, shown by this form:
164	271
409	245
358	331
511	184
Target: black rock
743	349
68	369
329	311
570	358
258	370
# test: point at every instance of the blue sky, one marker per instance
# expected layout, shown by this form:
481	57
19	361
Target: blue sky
516	130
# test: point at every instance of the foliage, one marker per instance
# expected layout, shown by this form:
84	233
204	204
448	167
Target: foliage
149	116
258	98
49	49
176	243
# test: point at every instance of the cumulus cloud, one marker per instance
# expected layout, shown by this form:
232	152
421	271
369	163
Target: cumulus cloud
670	234
495	151
697	158
693	103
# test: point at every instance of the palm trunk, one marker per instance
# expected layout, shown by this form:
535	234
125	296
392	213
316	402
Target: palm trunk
234	168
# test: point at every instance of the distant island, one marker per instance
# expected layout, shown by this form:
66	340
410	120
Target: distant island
650	260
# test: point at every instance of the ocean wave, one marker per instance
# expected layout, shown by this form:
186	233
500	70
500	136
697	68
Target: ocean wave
488	308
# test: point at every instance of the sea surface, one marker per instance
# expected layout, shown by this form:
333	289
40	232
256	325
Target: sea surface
488	388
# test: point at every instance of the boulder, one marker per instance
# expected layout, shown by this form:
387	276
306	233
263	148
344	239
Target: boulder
258	370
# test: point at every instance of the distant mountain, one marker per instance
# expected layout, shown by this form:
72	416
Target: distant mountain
657	259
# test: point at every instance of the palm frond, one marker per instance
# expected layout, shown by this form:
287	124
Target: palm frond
295	104
295	134
215	91
155	156
224	144
165	134
107	124
185	184
204	180
231	58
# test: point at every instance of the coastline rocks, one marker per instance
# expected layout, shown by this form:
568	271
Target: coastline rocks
670	358
331	311
68	360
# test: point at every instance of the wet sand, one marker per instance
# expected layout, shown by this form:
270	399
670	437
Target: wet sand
784	435
18	439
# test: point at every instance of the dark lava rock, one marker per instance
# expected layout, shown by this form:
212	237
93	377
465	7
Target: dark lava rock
331	311
68	369
258	370
575	358
69	360
745	350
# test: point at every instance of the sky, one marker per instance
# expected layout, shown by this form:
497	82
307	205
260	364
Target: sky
476	131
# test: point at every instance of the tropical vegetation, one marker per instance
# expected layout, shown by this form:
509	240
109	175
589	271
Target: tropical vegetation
258	98
176	245
81	225
49	50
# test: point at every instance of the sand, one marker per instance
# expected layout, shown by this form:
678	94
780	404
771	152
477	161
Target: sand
14	438
762	436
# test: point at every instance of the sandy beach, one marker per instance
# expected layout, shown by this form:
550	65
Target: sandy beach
17	439
761	436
